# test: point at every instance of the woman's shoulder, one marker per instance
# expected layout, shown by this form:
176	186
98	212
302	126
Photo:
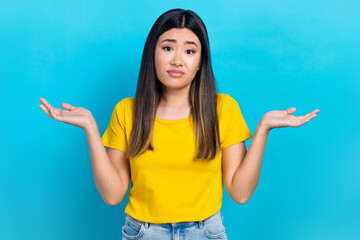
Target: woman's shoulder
223	97
226	103
125	102
220	94
124	105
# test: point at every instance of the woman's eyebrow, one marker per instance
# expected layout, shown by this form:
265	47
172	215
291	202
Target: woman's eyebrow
173	40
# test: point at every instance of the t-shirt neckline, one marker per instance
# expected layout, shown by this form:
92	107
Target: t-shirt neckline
176	121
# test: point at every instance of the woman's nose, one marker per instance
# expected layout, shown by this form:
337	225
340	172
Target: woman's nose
177	59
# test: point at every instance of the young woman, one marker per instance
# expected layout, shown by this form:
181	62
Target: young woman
177	139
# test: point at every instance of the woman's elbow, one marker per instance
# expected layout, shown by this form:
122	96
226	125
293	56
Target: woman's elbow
241	201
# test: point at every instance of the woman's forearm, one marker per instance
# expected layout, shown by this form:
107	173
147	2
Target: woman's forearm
247	175
107	179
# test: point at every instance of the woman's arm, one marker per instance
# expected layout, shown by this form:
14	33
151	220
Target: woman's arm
246	176
242	183
110	169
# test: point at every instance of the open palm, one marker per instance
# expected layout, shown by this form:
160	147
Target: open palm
278	119
76	116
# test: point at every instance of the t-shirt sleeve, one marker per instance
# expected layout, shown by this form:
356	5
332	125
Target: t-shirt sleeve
233	123
115	133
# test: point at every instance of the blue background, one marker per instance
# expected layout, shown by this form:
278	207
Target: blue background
268	55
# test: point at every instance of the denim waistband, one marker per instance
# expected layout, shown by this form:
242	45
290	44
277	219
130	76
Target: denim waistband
169	225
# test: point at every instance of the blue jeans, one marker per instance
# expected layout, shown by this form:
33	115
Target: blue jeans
210	228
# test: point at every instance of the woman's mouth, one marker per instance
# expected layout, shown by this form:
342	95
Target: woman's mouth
175	73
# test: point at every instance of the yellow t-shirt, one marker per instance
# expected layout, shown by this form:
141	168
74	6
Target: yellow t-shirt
168	185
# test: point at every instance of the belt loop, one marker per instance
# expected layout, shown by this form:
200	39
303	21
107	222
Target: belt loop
201	224
146	224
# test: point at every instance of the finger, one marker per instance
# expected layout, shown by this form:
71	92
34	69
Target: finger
305	120
56	113
309	115
290	110
68	106
299	121
313	112
46	104
45	109
53	112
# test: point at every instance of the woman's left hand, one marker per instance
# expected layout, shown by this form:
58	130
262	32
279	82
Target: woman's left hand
278	119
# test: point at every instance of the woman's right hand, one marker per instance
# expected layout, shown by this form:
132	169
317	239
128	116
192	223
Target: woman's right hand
76	116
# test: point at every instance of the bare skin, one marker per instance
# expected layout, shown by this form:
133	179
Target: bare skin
83	118
241	167
176	49
279	119
76	116
111	168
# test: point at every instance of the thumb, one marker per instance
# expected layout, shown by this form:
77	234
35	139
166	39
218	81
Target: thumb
290	110
67	106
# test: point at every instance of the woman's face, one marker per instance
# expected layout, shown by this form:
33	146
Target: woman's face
177	58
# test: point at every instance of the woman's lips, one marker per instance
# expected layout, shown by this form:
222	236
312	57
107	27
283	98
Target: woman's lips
175	73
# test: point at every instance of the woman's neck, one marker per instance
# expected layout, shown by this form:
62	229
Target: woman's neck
172	99
174	105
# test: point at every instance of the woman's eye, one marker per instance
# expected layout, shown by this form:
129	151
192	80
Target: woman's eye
167	48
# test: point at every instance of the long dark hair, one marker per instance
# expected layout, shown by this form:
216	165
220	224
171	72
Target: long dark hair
202	94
